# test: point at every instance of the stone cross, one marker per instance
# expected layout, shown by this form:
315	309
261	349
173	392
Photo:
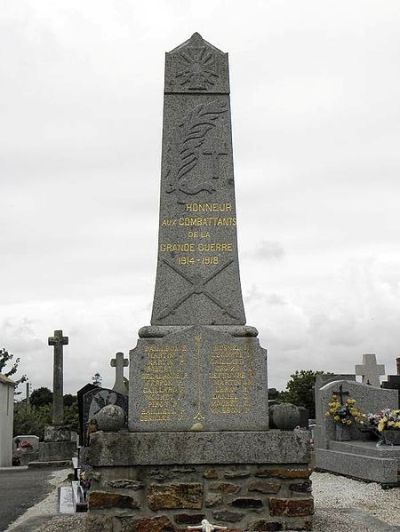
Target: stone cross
58	340
28	403
119	363
341	394
370	370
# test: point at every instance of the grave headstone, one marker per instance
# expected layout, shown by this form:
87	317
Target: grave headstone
80	395
370	370
119	363
58	341
359	457
393	381
96	399
26	442
25	449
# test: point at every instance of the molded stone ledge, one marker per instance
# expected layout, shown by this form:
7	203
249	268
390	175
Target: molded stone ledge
159	331
110	449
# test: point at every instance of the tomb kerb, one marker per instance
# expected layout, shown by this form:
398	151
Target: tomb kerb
198	405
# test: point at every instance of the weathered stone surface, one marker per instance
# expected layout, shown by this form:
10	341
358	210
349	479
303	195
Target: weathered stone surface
301	487
247	502
284	472
264	486
146	524
190	363
171	496
269	447
56	451
98	523
224	487
210	474
261	525
188	519
228	516
124	483
111	418
99	500
213	499
295	507
236	474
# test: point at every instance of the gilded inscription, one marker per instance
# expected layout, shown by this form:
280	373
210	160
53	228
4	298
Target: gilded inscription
163	382
232	376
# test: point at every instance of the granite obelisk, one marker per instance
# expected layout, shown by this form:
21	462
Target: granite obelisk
198	273
198	366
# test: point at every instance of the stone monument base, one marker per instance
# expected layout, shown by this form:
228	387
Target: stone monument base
58	445
168	480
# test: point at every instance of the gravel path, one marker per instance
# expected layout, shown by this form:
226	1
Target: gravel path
341	505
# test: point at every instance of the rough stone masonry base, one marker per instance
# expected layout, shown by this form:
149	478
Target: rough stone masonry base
166	481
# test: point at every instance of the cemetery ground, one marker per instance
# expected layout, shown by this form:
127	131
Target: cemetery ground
341	504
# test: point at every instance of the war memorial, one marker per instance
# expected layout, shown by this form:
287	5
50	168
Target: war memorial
197	443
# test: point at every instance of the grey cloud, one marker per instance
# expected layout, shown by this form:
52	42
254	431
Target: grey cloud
269	250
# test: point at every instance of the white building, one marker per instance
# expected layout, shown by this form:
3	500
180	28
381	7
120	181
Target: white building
6	420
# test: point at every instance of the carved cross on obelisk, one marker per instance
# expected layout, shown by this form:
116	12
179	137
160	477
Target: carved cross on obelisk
58	340
119	363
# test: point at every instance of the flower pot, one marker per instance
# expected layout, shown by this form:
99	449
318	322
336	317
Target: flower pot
342	432
391	437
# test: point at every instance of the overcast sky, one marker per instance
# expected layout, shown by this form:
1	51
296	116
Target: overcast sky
315	91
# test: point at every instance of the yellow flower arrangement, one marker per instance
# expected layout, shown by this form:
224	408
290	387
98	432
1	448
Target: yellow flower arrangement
346	413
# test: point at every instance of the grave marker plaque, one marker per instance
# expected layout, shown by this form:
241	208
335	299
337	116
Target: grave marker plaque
197	367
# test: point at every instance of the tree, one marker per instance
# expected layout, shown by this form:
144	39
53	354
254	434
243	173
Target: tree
31	421
5	358
300	389
96	379
69	399
41	396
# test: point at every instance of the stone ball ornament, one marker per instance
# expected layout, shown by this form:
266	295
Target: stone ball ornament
110	418
284	416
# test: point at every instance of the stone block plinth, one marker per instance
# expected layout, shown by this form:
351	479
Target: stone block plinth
241	480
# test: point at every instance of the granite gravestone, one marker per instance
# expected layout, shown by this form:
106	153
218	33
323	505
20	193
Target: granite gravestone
358	458
96	399
197	366
80	395
393	381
